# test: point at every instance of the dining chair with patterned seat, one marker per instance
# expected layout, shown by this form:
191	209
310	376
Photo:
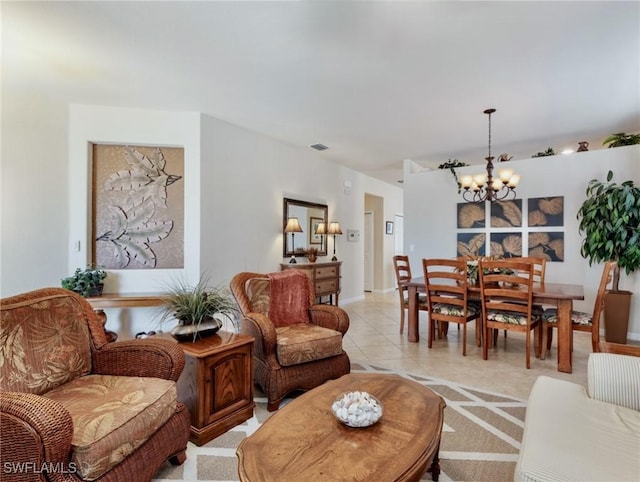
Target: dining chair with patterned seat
506	293
539	269
447	297
580	321
402	269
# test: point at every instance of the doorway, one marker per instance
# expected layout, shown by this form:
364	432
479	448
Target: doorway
368	252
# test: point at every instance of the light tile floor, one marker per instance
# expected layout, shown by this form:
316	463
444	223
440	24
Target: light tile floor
374	337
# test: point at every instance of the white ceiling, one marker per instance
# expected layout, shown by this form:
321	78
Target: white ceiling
377	82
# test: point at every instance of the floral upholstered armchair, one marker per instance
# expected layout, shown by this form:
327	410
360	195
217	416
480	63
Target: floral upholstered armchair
74	406
298	343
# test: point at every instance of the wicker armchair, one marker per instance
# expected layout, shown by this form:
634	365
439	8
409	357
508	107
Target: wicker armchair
74	406
299	356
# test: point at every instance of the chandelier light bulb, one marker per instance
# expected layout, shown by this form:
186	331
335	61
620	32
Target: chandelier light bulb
479	180
466	181
505	175
513	182
497	184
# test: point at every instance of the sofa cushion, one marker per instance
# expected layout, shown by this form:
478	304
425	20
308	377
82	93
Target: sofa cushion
43	344
306	342
570	437
112	416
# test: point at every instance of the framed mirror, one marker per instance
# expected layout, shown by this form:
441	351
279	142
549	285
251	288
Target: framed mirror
310	217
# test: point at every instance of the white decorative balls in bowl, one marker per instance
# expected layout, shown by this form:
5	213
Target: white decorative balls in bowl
357	409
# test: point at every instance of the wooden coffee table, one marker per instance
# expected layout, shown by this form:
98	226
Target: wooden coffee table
303	441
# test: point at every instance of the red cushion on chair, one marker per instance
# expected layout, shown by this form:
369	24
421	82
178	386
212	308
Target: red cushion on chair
288	298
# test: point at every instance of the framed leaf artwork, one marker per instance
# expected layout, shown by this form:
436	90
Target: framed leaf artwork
138	207
506	214
547	244
471	215
546	211
471	244
506	245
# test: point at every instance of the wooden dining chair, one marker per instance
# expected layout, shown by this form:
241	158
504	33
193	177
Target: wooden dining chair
447	297
506	294
580	321
539	269
402	269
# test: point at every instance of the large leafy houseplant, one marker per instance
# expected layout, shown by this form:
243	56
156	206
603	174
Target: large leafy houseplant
610	220
198	308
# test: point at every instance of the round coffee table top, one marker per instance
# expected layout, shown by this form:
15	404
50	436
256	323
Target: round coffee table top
304	441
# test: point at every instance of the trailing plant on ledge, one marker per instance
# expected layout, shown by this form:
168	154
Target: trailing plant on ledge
622	139
451	164
548	152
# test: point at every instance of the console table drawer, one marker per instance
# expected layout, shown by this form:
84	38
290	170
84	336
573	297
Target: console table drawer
329	286
325	278
327	272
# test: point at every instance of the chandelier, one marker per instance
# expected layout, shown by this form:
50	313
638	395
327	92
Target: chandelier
483	187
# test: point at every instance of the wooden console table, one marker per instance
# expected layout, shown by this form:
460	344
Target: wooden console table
122	300
325	277
216	384
126	300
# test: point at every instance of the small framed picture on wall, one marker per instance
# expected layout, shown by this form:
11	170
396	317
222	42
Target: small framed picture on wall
389	227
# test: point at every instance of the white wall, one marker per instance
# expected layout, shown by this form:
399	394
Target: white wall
34	218
430	199
236	180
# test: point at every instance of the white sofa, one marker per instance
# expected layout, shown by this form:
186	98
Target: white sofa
572	435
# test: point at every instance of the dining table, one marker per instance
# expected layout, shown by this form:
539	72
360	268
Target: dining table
560	295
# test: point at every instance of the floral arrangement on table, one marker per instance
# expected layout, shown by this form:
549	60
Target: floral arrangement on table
473	275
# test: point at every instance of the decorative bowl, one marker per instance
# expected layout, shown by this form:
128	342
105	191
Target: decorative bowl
357	409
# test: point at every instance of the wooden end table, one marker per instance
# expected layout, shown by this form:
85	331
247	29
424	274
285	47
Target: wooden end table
304	441
216	384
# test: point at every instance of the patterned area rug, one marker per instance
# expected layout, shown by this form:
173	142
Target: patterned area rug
480	438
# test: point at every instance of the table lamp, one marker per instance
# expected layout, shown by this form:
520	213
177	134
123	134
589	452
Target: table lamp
321	229
334	228
293	227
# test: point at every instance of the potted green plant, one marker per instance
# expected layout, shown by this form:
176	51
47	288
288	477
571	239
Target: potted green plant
87	282
621	139
609	218
198	309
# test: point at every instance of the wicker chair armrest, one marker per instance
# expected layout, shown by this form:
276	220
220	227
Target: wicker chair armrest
35	429
614	379
263	331
149	357
329	316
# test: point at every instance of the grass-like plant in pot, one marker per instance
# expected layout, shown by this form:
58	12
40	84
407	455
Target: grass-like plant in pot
198	309
87	282
610	221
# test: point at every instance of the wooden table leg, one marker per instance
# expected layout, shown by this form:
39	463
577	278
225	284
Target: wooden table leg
412	328
564	335
435	466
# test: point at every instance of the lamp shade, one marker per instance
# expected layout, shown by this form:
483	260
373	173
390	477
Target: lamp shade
293	226
334	228
321	228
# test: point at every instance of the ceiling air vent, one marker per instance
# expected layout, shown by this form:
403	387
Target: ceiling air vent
319	147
